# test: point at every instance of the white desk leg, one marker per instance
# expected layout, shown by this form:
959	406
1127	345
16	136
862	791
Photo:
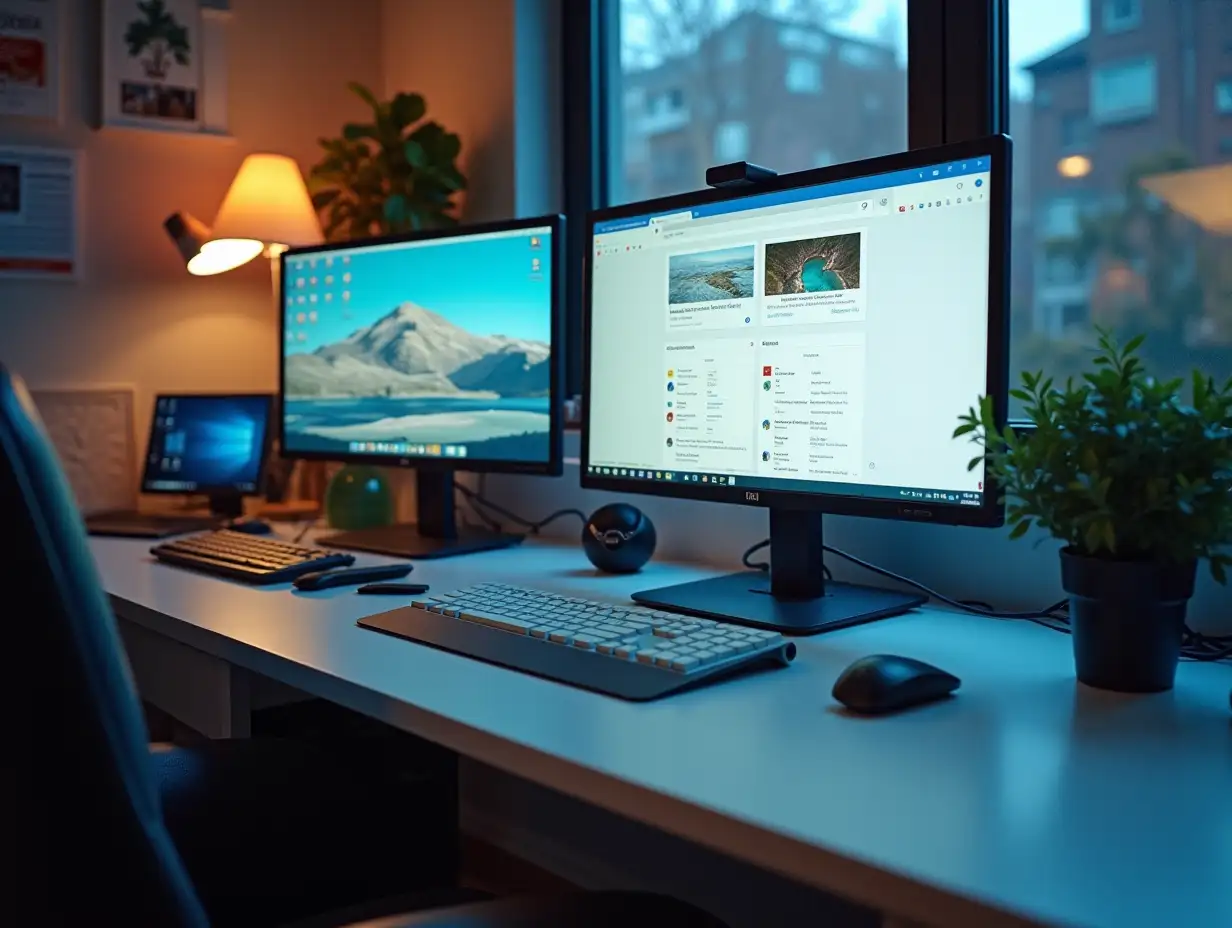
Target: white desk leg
205	693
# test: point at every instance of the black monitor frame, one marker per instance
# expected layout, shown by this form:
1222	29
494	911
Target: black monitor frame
437	533
796	590
225	500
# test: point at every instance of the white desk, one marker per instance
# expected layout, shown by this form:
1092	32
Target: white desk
1026	800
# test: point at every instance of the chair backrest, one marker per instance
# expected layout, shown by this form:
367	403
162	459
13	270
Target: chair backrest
91	844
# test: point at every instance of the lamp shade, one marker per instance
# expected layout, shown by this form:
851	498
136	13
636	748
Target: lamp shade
1202	194
268	203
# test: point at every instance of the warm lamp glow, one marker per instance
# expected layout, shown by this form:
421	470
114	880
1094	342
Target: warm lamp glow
1074	166
1202	194
221	255
268	205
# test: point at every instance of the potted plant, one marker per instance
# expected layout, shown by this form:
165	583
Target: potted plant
394	174
1137	483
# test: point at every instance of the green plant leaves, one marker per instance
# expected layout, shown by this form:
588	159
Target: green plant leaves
393	174
1117	465
363	93
406	109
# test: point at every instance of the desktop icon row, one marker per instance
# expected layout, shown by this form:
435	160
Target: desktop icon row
634	474
405	448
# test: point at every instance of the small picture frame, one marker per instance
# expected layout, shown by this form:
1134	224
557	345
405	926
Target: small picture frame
152	65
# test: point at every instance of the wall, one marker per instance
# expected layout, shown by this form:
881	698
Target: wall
459	54
136	317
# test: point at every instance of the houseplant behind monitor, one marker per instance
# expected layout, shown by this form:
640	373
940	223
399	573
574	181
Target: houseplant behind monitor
1137	482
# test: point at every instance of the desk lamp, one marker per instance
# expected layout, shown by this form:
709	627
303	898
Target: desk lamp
1203	194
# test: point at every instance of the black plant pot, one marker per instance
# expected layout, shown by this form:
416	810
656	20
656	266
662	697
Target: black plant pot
1128	619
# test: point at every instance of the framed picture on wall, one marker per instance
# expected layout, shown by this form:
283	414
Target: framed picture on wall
152	64
30	59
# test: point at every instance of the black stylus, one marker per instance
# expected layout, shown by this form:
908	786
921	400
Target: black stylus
349	576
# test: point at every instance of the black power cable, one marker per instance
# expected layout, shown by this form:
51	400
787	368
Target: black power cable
1195	645
479	503
747	560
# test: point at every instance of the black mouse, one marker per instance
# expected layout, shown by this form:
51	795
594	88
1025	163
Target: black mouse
884	683
250	526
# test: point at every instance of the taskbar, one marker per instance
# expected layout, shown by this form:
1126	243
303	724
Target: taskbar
818	487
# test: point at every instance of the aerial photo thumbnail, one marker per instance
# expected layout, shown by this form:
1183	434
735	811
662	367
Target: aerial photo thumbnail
809	265
702	276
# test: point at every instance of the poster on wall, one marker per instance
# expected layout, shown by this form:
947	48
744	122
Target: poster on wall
152	64
30	59
38	212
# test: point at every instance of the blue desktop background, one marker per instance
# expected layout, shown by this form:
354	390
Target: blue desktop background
446	343
206	442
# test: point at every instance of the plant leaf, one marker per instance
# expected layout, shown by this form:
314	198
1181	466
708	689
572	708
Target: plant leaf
363	93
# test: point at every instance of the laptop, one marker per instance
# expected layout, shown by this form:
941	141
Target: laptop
211	444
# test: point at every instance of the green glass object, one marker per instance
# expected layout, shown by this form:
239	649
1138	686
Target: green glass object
359	496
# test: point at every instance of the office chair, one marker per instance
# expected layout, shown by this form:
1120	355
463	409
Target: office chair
92	843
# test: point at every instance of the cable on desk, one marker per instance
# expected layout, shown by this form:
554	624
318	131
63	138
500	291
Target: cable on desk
478	502
1195	646
747	559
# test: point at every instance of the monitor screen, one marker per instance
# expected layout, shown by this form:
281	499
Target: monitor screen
427	348
201	443
819	340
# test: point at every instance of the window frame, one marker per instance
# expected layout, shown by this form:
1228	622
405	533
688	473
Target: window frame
957	88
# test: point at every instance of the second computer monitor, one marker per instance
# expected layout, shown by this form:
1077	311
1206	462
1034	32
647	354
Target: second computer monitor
436	350
807	347
213	444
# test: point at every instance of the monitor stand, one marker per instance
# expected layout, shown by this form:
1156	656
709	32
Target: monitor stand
794	598
436	534
226	505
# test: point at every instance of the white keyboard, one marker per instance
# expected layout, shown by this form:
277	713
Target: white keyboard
623	650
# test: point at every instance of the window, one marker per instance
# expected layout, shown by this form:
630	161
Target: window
803	75
860	56
688	46
806	40
1075	131
1223	95
1089	249
1123	90
1121	15
1061	218
731	142
733	47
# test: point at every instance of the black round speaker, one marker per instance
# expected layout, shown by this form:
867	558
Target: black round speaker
618	538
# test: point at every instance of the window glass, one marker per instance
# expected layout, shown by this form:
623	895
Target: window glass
777	82
1121	216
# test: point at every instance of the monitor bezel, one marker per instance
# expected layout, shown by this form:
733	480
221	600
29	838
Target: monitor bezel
991	512
211	489
554	465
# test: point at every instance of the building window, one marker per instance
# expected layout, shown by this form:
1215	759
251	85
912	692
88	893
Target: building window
785	96
1061	218
1122	15
803	40
1075	131
803	75
1223	95
1123	91
859	56
731	142
732	49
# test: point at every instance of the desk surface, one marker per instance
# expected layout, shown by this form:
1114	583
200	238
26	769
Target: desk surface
1028	799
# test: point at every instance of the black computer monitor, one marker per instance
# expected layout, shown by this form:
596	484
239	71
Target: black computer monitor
436	350
213	444
807	347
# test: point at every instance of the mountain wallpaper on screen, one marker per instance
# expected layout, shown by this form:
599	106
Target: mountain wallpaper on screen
412	352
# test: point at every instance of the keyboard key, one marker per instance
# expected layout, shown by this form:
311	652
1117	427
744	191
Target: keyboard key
560	637
647	656
505	623
684	664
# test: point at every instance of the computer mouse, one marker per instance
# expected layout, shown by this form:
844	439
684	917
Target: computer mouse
250	526
883	683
